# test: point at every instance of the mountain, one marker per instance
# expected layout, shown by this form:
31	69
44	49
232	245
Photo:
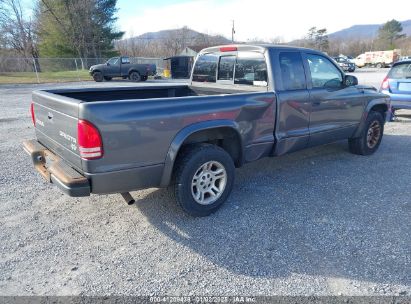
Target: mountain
366	31
187	34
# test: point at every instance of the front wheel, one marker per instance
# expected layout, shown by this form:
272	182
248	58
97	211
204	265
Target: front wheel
369	140
98	76
203	179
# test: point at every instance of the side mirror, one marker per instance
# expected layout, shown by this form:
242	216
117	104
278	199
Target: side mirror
350	80
107	63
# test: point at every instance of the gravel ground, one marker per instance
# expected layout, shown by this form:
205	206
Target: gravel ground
316	222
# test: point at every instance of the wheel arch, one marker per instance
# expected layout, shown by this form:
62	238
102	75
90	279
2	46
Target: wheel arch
379	105
133	70
223	133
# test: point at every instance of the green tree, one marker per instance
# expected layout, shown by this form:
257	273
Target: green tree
80	28
388	33
317	39
321	40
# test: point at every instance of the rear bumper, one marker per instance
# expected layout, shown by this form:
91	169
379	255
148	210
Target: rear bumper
397	105
55	170
399	101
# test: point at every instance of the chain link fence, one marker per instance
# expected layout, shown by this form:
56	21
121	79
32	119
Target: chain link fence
43	70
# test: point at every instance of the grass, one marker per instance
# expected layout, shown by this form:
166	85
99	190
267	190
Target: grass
30	77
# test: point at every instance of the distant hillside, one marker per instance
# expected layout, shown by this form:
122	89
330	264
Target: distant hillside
191	36
366	31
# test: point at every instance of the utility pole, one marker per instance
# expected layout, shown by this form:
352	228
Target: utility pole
232	32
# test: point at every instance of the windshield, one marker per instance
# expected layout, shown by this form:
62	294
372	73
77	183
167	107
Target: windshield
400	71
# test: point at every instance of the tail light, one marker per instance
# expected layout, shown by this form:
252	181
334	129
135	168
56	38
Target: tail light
385	84
89	140
33	117
228	49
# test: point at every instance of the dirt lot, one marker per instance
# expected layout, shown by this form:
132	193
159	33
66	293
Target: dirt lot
315	222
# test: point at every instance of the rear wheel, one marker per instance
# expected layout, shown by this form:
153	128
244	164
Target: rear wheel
380	65
135	76
203	179
369	140
98	76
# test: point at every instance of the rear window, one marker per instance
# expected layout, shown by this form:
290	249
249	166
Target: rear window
247	68
250	69
205	69
226	68
400	71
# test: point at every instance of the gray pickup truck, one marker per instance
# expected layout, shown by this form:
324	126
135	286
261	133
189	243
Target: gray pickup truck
122	67
243	103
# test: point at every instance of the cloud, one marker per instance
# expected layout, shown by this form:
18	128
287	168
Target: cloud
260	18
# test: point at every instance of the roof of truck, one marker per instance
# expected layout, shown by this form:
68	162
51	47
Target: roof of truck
253	47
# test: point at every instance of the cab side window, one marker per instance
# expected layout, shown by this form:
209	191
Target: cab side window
292	71
324	74
125	60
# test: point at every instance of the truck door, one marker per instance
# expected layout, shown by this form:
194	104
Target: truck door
336	109
293	105
125	66
113	67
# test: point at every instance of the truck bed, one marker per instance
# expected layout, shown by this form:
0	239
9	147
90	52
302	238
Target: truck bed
146	92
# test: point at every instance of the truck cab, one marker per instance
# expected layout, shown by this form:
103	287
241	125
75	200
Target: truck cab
117	66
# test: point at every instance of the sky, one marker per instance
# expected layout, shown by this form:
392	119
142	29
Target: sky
262	19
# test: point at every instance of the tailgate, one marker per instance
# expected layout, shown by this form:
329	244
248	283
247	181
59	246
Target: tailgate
56	124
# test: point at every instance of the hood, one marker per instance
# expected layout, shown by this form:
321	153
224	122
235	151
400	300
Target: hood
93	67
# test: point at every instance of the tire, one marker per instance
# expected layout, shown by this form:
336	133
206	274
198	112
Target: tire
368	142
379	65
98	76
195	165
135	76
106	78
144	78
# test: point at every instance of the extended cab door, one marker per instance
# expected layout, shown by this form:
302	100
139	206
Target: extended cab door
336	109
125	65
293	101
